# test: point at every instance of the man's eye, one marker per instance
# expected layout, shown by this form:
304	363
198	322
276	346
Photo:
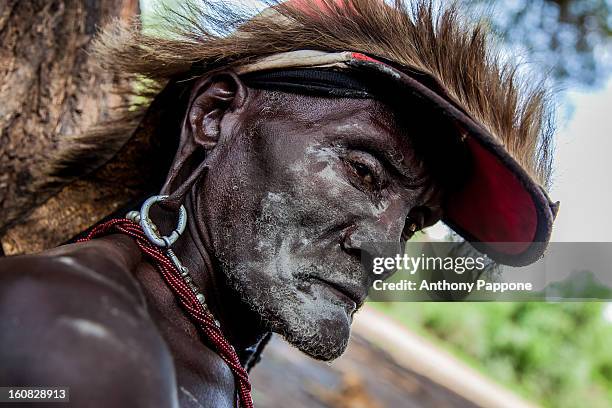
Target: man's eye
363	172
366	169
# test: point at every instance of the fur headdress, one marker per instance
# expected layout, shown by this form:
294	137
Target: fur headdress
202	37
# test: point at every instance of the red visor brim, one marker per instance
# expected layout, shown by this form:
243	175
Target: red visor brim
501	210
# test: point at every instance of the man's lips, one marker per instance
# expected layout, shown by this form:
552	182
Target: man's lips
349	291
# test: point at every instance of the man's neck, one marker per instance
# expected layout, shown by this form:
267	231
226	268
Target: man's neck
241	326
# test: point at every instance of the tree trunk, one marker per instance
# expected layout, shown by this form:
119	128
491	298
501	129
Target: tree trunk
49	88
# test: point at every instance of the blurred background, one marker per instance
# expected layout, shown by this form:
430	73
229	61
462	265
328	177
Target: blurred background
492	354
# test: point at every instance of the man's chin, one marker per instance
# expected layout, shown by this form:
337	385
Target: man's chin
326	342
322	353
318	327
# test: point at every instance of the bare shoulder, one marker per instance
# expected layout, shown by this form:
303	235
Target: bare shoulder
75	316
76	275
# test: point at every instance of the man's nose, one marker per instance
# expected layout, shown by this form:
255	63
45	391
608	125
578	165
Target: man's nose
379	234
376	236
386	226
367	244
360	238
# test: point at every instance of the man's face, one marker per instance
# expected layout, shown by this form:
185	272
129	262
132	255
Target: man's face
290	197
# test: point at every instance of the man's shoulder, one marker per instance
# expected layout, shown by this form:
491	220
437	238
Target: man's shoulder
85	268
82	279
80	318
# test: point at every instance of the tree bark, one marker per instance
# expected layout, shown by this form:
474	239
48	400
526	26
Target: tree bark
49	88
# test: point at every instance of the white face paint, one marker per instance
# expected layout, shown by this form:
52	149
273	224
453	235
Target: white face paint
281	202
291	257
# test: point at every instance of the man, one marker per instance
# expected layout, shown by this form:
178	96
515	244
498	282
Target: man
312	129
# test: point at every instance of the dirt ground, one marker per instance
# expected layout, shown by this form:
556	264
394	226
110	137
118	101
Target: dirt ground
364	377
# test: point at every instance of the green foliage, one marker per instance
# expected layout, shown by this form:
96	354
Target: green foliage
554	354
579	285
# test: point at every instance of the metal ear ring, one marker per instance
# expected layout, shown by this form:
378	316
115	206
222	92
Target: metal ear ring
149	227
165	241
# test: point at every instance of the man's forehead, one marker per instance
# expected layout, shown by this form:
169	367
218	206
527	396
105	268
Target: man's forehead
350	114
361	123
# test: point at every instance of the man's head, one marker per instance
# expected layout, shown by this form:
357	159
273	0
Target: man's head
295	185
429	53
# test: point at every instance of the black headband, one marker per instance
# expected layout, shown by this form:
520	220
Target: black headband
322	82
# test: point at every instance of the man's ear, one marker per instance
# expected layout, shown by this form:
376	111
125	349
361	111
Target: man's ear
210	100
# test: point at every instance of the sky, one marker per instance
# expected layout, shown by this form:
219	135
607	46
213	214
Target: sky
583	170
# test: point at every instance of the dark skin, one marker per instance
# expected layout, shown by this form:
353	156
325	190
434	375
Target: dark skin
288	189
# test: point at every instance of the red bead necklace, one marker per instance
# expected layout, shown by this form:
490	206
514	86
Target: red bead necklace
181	284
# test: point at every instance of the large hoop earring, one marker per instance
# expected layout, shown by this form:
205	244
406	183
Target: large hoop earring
150	229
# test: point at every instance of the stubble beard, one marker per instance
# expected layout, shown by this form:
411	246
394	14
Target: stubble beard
283	312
